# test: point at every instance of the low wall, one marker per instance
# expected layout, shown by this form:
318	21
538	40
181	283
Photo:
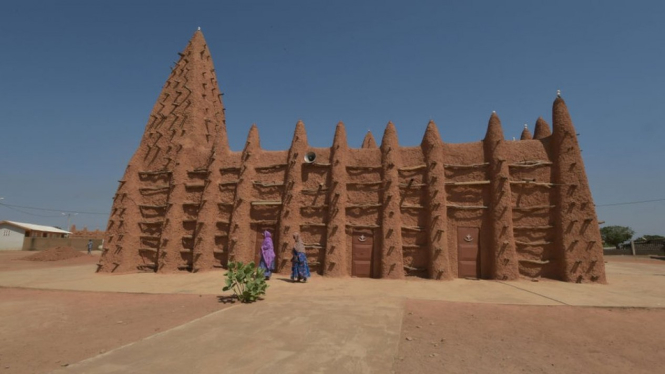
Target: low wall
650	248
641	249
625	251
40	244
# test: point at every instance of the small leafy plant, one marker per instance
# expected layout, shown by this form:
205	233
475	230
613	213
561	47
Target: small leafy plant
246	281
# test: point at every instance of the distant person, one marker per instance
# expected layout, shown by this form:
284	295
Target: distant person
90	246
299	267
267	262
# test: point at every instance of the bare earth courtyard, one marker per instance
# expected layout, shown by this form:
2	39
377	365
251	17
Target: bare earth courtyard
61	316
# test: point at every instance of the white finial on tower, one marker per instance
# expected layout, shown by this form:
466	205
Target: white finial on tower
494	111
558	93
526	127
199	28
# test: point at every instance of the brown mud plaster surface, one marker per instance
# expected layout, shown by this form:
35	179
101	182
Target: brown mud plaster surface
493	209
42	331
444	337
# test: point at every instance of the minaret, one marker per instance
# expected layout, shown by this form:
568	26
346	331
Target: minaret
392	264
147	227
526	134
502	245
439	256
337	254
542	129
368	141
240	249
578	243
290	216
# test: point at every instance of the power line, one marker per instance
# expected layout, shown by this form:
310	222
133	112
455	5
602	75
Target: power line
632	202
28	213
50	210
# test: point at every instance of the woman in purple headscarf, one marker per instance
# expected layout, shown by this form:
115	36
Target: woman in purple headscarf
267	262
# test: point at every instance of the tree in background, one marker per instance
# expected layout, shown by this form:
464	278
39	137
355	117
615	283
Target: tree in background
615	235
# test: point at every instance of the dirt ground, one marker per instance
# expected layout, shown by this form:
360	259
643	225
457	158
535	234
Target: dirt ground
43	330
13	260
636	259
445	337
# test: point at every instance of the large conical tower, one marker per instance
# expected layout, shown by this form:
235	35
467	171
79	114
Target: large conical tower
153	221
578	239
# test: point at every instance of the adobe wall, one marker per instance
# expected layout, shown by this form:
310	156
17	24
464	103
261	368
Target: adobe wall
493	209
40	244
85	233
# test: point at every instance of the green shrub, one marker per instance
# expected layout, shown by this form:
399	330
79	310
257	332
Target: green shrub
246	281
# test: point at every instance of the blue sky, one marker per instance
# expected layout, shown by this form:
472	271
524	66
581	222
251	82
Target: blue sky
78	80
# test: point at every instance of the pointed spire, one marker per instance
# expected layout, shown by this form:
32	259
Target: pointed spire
369	141
431	134
253	140
494	129
196	42
390	137
300	134
526	134
191	95
542	129
340	136
561	120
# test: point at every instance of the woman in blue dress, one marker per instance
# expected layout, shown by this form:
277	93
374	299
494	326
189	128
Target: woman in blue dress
267	262
299	267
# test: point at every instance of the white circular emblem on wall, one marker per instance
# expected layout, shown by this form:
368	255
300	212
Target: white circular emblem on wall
468	238
362	238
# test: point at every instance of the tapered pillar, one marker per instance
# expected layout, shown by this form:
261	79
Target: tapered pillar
368	141
502	245
578	242
392	264
526	134
439	256
240	247
336	256
542	129
290	215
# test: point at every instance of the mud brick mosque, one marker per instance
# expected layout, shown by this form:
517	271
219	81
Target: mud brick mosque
492	209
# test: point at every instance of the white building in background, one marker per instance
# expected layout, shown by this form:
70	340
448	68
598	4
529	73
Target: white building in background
12	234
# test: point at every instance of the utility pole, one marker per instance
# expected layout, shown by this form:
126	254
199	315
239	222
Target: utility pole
69	216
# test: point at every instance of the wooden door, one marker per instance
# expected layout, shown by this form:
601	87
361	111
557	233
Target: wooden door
468	252
362	250
259	241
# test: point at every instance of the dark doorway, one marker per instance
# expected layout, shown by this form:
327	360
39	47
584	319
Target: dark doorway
362	250
468	252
